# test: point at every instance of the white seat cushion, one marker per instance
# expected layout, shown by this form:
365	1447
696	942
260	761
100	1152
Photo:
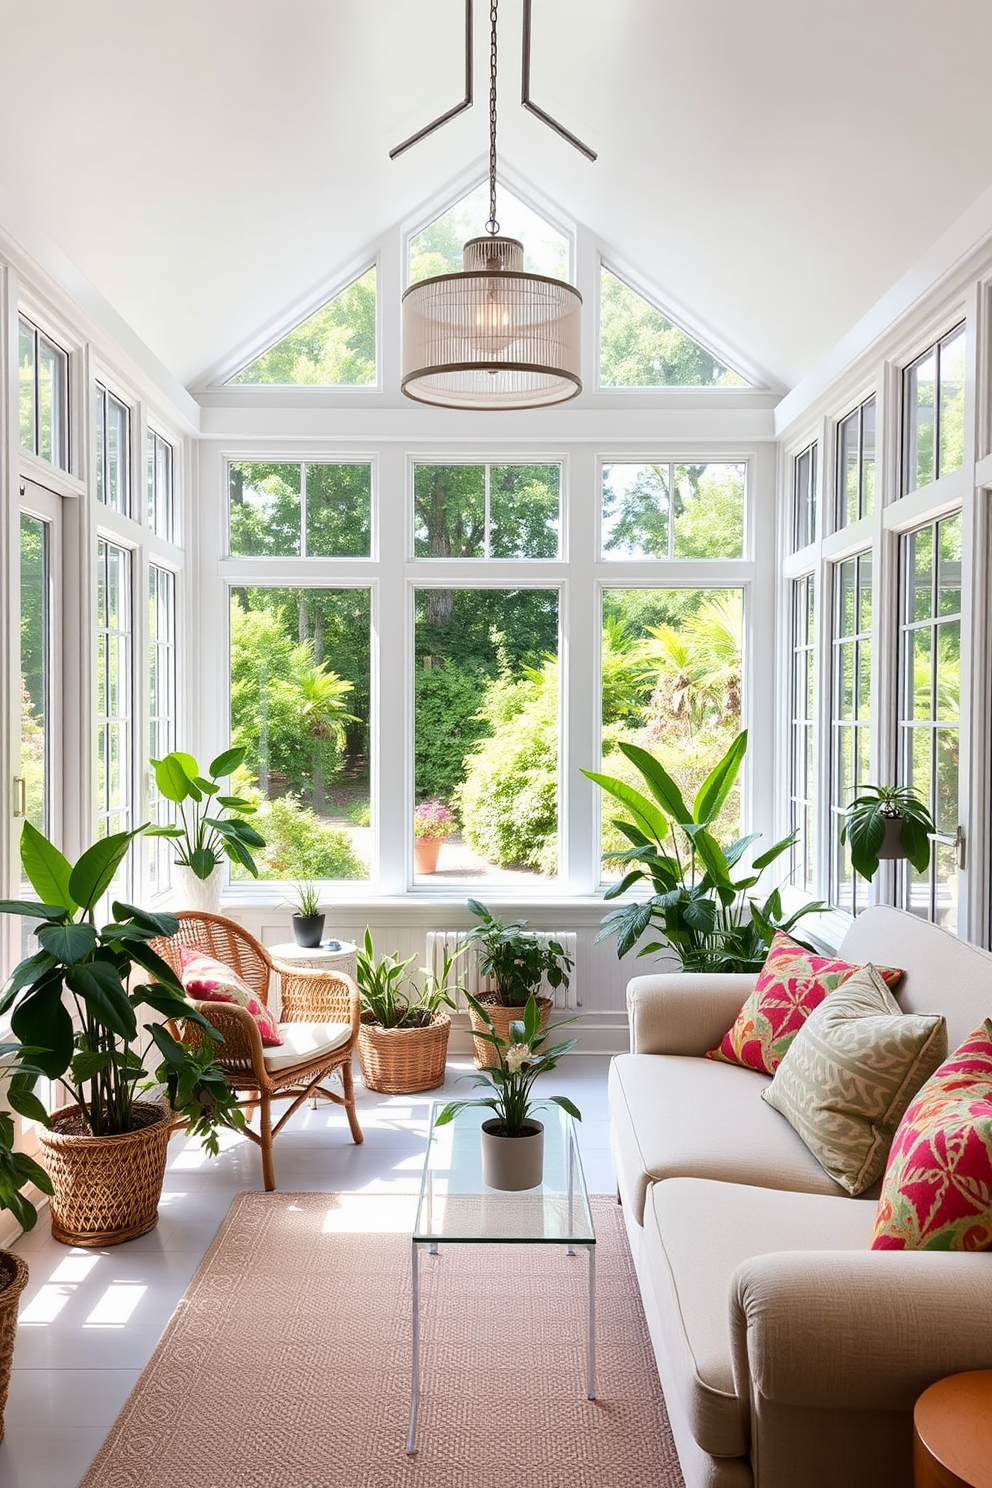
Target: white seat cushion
303	1041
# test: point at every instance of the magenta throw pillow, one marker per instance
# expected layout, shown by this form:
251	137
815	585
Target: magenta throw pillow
209	980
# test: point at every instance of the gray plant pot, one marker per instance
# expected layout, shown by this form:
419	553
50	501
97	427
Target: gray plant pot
892	841
308	930
512	1163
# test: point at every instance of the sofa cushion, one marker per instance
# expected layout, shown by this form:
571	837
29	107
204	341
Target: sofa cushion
849	1074
696	1234
791	984
675	1116
937	1190
302	1042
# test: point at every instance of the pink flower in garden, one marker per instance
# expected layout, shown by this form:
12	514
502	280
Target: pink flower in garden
434	819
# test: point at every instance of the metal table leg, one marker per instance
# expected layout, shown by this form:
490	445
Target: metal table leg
415	1379
591	1335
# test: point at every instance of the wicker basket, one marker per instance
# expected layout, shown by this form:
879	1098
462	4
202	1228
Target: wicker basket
13	1280
501	1016
106	1189
401	1061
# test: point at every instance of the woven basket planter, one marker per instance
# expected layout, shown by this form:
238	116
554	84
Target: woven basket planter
13	1280
501	1016
401	1061
106	1189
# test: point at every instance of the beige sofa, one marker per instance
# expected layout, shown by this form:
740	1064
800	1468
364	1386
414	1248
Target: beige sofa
790	1353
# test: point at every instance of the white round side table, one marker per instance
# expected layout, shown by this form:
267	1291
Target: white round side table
320	958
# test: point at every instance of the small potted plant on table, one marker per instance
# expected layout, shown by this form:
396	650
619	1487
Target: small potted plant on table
516	960
433	823
512	1140
308	922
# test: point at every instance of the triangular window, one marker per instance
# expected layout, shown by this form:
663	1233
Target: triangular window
438	248
640	347
334	348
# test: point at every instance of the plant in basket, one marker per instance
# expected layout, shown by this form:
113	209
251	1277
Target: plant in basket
75	1012
519	1059
403	1038
516	960
16	1170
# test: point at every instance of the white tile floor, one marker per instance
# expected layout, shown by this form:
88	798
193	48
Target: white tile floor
90	1318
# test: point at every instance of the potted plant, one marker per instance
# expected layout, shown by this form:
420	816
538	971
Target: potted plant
75	1013
887	821
516	960
433	823
211	826
403	1037
512	1140
709	919
308	922
16	1170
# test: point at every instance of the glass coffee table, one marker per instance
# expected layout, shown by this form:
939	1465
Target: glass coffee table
457	1208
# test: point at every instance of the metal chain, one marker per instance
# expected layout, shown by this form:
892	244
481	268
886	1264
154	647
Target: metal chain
492	226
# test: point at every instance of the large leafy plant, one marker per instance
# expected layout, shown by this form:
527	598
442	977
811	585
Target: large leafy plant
516	958
74	1010
211	826
707	916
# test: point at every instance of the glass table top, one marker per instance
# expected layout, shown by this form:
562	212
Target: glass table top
455	1204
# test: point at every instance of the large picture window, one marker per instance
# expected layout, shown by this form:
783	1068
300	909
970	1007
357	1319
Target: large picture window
300	666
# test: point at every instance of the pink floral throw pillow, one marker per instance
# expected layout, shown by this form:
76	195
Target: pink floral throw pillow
211	981
792	982
937	1189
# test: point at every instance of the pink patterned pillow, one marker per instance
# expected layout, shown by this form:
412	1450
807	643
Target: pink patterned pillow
937	1189
792	982
211	981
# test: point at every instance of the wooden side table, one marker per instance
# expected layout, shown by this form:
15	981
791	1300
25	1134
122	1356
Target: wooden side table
320	958
952	1432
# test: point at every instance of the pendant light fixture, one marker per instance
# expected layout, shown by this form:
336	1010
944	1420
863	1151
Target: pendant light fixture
492	336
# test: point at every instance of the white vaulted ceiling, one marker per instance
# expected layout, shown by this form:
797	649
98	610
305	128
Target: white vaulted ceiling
771	167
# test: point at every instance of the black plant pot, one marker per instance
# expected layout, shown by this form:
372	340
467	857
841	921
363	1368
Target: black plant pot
308	930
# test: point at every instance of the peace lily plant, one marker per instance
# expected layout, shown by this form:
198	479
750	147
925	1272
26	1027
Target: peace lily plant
521	1058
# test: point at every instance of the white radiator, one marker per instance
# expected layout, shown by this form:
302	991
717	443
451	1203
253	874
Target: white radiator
441	942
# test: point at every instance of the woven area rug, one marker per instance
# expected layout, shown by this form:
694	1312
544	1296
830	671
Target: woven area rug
287	1363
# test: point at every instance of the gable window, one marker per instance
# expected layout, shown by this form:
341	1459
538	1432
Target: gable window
934	412
855	496
334	347
307	509
641	347
669	511
437	248
43	395
113	451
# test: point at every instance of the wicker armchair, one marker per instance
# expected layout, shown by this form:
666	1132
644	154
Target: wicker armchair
318	1020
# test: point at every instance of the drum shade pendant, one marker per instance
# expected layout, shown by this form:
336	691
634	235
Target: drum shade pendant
491	336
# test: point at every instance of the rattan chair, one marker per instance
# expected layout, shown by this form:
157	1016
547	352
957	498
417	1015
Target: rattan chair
318	1019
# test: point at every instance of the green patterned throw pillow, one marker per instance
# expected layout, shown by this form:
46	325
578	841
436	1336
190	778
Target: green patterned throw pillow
850	1073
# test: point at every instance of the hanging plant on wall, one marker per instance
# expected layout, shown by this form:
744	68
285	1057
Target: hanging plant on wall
887	821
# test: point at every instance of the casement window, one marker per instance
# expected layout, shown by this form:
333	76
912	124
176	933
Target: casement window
113	451
933	412
114	712
855	487
802	752
160	486
850	716
160	702
43	395
929	710
804	477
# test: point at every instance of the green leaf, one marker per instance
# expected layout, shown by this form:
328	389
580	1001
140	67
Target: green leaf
916	843
27	1104
34	969
659	782
47	871
95	870
164	923
31	908
68	943
150	960
99	985
711	855
719	782
203	861
173	775
646	814
772	853
43	1021
566	1105
226	763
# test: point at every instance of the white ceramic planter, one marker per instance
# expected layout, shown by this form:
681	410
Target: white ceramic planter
197	893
